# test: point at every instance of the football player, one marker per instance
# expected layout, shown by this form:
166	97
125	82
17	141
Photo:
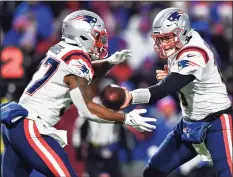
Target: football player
63	77
191	71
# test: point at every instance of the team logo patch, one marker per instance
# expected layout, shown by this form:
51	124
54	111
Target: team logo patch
175	16
185	63
82	67
84	70
187	131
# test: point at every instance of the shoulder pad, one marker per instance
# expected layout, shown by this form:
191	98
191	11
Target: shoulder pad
190	51
76	54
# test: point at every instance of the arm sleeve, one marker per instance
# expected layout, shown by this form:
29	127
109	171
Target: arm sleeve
172	83
81	106
190	60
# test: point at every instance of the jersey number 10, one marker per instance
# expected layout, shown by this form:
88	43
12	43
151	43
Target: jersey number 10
52	66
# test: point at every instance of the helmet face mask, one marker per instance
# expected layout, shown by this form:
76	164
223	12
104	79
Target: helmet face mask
99	50
166	44
170	31
87	30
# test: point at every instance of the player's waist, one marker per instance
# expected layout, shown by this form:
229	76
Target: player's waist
49	120
50	116
45	129
213	116
216	115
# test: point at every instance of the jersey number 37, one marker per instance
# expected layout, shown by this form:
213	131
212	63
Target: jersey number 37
51	64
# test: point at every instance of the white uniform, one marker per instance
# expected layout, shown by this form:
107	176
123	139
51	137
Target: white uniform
47	95
207	93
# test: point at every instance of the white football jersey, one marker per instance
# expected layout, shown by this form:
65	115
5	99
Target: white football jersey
207	93
47	95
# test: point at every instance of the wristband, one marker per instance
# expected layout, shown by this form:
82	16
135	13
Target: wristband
140	96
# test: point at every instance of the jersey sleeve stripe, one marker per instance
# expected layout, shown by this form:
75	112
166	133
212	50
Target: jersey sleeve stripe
196	49
67	56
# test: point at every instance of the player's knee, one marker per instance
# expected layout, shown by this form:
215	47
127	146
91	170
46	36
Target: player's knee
152	172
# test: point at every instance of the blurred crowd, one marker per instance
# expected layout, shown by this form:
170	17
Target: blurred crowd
29	29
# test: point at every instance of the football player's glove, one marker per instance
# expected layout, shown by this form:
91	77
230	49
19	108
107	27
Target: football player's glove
134	120
119	57
11	113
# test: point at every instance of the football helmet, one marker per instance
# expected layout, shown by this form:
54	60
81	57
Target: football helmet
172	25
86	30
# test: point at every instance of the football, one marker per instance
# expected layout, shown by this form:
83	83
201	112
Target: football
113	97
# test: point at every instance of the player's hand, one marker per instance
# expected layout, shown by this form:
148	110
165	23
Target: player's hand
119	57
161	74
134	119
128	99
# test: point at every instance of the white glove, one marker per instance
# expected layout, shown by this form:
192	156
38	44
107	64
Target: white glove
119	57
133	119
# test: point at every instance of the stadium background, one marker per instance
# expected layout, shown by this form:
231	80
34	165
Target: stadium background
29	29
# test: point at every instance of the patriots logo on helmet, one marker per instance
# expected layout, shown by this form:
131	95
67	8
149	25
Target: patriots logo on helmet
89	19
175	16
184	63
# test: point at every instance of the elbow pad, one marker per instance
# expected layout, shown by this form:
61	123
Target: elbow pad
83	111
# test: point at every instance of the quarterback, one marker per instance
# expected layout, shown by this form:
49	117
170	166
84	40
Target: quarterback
191	71
63	77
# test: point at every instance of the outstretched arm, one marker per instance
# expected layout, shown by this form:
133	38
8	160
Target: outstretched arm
170	84
188	66
81	96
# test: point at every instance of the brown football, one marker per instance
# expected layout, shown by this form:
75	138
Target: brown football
113	97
